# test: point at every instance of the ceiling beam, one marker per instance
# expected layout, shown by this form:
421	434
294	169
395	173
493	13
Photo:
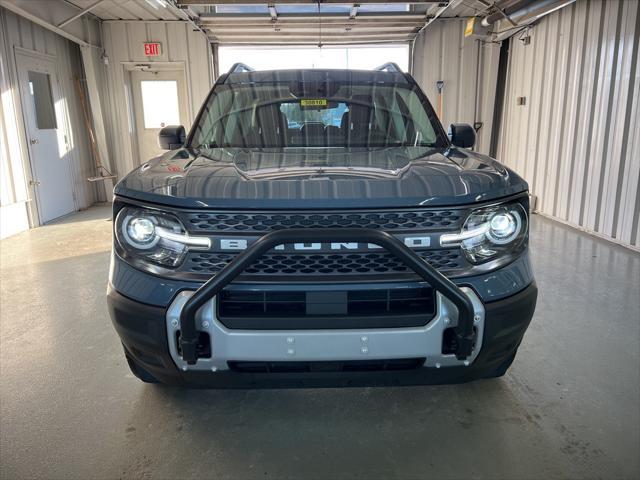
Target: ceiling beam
80	13
440	11
300	2
253	42
333	23
362	16
314	38
43	23
311	31
302	36
336	31
309	43
345	24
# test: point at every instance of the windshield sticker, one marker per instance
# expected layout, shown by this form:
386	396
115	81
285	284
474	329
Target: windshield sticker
314	103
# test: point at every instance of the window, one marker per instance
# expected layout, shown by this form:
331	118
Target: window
40	90
297	116
160	103
334	114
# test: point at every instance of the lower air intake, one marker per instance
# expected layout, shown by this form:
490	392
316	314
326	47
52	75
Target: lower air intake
347	366
372	308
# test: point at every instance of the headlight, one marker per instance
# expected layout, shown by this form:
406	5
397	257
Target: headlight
140	232
504	227
490	232
154	237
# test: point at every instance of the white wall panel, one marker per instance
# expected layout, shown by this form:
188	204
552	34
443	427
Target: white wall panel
182	47
576	141
469	69
20	33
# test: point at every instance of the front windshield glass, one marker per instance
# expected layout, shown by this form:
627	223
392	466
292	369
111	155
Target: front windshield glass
278	115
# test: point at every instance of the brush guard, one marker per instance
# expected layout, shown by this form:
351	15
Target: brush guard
464	330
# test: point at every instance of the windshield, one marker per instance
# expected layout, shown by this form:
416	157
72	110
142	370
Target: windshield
315	114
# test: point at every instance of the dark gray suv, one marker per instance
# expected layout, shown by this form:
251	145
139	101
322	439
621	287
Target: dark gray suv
319	227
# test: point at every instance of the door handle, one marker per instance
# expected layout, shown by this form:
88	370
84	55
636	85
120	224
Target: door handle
34	141
34	183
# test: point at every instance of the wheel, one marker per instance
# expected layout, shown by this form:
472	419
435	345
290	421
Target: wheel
140	372
501	369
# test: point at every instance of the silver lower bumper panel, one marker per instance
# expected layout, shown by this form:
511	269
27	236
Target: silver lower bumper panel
324	345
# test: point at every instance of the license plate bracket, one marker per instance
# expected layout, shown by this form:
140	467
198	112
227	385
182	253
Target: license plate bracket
327	303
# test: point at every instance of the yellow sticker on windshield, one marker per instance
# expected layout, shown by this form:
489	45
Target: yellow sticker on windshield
313	102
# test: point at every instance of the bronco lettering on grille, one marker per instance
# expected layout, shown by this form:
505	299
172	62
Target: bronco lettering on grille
235	244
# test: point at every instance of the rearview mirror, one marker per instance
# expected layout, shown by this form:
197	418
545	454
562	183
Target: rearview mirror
462	135
172	137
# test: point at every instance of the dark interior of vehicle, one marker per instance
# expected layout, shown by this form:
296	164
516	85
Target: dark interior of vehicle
272	129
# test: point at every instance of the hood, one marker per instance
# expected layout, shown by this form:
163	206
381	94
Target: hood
320	178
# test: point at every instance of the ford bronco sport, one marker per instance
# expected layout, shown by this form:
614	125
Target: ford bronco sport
319	227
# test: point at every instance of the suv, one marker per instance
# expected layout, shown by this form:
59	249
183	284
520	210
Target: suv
319	227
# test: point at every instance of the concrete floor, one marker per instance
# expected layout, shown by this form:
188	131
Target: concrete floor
569	407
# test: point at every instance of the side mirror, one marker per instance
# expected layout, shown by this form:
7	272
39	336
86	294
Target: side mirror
172	137
462	135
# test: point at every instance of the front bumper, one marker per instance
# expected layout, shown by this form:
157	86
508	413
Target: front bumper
146	333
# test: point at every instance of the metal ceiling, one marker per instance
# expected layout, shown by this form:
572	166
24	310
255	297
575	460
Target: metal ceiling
300	22
151	10
326	28
330	22
289	22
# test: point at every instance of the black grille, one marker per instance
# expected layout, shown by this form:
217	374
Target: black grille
405	301
295	309
329	264
422	220
322	264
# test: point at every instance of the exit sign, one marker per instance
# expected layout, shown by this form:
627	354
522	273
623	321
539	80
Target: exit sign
152	49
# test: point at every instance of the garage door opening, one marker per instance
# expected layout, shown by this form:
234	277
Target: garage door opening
355	58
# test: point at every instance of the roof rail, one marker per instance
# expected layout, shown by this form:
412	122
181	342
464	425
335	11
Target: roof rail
239	68
389	67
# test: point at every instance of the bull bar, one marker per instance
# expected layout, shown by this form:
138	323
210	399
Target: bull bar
464	330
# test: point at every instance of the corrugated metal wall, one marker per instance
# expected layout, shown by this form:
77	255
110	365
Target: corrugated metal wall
18	32
468	68
123	42
577	139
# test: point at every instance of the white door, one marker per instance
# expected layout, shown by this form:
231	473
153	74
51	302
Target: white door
48	144
159	100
